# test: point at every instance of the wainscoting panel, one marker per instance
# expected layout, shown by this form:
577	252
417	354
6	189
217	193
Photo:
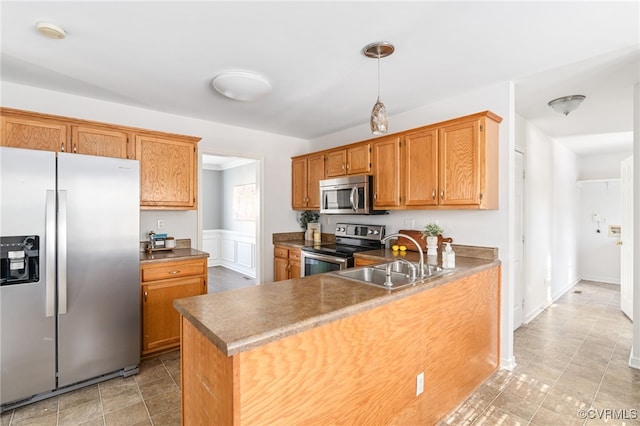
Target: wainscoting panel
233	250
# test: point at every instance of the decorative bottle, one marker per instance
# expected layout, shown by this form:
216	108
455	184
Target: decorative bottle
448	257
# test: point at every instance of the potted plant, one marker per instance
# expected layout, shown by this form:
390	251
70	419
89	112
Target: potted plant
306	217
430	233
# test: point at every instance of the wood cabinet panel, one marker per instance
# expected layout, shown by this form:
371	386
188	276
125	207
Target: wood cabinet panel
348	161
460	164
161	322
167	172
33	134
386	172
306	173
101	142
162	283
420	171
286	263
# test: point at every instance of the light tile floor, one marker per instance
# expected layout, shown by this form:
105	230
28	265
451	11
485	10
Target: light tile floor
572	357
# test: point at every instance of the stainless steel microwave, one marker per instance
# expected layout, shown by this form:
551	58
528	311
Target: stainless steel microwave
347	195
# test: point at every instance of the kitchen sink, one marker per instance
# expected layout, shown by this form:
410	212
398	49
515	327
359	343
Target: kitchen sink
377	274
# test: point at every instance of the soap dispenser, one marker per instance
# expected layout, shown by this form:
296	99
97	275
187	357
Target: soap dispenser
448	257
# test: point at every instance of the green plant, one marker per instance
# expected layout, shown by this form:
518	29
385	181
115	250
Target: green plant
432	230
306	217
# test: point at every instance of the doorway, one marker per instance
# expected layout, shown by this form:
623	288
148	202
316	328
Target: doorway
229	214
518	241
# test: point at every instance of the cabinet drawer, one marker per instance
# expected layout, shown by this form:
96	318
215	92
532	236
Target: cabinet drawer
172	270
281	252
294	254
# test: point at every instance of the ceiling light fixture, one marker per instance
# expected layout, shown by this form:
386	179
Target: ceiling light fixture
379	118
241	85
50	30
566	104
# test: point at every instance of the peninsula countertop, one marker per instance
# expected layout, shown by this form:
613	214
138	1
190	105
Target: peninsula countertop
239	320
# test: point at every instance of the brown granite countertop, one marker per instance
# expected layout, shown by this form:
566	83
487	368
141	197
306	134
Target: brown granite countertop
171	255
242	319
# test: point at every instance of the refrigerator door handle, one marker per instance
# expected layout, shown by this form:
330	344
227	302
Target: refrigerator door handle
62	252
50	249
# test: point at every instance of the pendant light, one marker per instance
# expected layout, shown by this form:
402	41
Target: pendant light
379	119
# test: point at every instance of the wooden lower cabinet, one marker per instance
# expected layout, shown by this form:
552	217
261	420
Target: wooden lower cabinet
161	284
286	263
350	372
359	261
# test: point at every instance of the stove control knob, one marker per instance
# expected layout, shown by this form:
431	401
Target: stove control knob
369	232
376	232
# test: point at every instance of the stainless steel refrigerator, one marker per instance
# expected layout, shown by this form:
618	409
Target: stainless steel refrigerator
69	291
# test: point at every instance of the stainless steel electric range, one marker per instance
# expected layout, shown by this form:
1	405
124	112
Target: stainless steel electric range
351	238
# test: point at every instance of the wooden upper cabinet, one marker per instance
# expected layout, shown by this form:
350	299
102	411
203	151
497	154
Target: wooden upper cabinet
31	133
460	163
469	154
168	172
349	161
386	172
420	168
306	173
101	142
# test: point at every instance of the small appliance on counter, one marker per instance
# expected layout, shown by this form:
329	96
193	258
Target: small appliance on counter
316	258
158	242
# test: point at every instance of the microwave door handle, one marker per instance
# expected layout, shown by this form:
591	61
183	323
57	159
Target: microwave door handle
353	198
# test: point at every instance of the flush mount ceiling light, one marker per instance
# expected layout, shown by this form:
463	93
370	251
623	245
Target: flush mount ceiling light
50	30
566	104
241	85
379	119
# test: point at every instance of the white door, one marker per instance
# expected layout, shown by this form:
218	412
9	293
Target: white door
626	238
518	242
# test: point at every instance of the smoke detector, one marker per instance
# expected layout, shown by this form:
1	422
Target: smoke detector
50	30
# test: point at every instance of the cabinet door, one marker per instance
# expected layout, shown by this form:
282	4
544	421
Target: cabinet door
459	174
33	134
299	183
386	172
336	163
161	322
280	269
420	172
167	172
359	159
101	142
315	173
294	263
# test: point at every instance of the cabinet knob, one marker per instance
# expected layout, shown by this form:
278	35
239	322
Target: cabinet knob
348	166
174	272
62	147
75	148
145	296
433	194
442	194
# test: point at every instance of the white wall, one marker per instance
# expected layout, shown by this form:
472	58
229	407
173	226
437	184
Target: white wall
602	166
211	201
231	177
552	206
273	151
483	228
599	256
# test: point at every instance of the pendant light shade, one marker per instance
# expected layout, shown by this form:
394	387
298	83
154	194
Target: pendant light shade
379	118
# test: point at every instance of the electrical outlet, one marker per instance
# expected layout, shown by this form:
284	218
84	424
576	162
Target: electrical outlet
161	224
409	223
419	383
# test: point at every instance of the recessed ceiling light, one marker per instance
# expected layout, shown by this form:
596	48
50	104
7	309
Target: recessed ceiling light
241	85
50	30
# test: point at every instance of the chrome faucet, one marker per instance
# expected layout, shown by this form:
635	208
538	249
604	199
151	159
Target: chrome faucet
421	264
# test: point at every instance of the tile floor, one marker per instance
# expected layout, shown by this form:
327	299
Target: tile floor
572	357
223	279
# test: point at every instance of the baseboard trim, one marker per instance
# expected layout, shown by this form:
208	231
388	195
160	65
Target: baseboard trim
508	363
633	361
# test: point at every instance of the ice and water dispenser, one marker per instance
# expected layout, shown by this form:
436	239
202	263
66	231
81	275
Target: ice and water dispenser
19	259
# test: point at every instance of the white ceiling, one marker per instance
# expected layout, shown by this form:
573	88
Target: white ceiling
163	56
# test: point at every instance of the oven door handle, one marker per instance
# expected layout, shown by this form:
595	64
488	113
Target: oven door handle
353	198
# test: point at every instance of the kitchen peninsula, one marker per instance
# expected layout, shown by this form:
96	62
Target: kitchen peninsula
328	350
